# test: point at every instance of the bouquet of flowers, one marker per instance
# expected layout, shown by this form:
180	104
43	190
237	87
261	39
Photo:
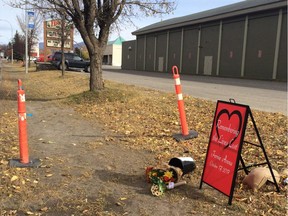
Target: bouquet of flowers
163	178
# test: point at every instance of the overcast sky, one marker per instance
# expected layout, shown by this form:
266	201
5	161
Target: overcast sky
8	16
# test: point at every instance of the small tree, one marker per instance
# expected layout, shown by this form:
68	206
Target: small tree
18	46
63	30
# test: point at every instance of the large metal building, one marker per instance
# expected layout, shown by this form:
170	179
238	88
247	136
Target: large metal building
243	40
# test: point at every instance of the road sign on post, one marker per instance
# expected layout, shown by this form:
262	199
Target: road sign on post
30	19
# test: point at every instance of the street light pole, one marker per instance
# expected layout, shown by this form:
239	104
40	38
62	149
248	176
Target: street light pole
11	38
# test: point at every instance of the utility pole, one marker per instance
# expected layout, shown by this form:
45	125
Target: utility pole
26	38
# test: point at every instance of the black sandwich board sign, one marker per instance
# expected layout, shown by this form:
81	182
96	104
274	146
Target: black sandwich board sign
225	145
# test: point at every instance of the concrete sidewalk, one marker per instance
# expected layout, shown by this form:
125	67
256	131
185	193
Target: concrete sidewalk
269	96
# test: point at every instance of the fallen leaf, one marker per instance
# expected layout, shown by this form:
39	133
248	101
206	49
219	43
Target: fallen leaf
118	204
44	209
280	153
14	178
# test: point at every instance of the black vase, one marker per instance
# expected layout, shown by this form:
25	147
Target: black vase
186	164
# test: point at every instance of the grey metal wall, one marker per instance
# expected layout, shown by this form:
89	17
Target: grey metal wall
161	47
260	51
231	47
190	48
252	46
174	49
208	49
128	55
140	53
150	53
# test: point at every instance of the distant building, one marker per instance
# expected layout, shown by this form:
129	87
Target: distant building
52	37
113	52
34	50
242	40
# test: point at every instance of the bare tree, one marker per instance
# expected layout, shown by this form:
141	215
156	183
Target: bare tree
32	33
63	30
94	18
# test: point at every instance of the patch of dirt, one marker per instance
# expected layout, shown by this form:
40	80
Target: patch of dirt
92	167
94	152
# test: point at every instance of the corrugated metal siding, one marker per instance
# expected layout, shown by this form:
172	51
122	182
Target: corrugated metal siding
174	49
261	46
128	55
150	47
140	53
208	49
190	48
161	52
231	49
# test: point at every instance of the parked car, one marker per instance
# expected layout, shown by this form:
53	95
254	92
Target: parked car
71	61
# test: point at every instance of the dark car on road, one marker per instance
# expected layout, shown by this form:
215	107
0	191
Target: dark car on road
71	61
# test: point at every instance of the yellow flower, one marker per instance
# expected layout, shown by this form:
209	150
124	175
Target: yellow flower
168	175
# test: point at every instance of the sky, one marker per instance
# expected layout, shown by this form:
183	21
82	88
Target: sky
9	24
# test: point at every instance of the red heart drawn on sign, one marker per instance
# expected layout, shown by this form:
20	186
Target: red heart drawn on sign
228	126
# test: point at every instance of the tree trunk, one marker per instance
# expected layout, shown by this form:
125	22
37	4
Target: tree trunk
96	78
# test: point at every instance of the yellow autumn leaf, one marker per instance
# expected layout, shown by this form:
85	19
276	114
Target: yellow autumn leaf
14	178
281	153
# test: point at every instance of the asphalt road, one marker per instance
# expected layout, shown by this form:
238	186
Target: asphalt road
269	96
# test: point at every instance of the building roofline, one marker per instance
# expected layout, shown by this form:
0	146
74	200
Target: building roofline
240	8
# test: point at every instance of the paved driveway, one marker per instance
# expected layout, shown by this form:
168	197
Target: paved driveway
270	96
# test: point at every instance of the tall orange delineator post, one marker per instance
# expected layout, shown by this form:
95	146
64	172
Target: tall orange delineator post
23	138
186	134
22	124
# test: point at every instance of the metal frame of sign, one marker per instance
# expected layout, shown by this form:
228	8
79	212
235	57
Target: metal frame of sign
225	146
244	167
